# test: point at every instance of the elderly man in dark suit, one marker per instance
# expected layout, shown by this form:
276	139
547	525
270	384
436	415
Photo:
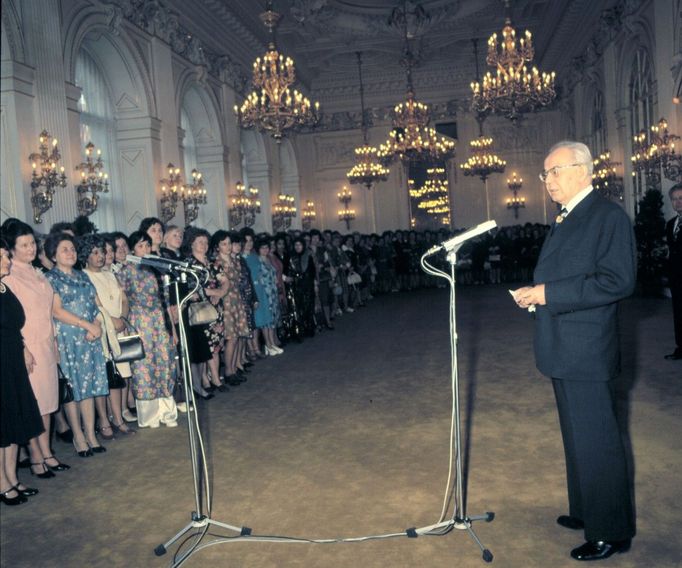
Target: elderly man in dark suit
586	266
673	236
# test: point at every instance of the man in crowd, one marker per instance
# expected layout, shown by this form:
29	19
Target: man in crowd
586	266
673	235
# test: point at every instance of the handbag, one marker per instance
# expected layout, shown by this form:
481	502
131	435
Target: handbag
132	348
201	313
354	278
114	378
65	387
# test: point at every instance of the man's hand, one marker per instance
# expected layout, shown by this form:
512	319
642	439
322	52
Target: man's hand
530	296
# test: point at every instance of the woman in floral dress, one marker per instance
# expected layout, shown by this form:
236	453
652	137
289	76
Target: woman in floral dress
226	249
80	350
154	376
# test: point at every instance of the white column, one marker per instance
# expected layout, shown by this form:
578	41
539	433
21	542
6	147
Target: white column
42	26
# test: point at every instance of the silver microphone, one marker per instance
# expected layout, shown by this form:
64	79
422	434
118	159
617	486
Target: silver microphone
455	242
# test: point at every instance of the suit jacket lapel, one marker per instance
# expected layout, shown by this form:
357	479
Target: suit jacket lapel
567	226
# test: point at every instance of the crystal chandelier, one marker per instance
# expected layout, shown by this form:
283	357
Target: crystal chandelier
283	211
93	181
308	214
656	154
605	179
245	205
46	176
483	161
174	191
273	106
367	170
515	202
514	89
346	214
412	139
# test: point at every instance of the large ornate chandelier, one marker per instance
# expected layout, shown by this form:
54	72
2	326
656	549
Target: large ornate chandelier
367	170
273	106
514	89
412	139
483	161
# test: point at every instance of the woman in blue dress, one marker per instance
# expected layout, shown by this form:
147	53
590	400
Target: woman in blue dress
80	351
264	277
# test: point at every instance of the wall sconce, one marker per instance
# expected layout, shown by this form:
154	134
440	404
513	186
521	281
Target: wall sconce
283	211
309	214
193	197
656	153
171	188
515	184
605	179
346	214
245	205
47	175
93	181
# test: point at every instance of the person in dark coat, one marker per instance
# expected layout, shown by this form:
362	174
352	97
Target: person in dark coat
673	236
586	266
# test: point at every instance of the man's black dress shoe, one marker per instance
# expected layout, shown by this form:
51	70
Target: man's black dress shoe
674	356
600	549
570	522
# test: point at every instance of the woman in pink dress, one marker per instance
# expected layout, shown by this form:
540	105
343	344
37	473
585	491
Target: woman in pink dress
34	292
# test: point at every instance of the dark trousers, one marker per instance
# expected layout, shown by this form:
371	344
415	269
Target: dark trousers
596	468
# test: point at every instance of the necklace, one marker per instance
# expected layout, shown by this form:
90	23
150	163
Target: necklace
3	288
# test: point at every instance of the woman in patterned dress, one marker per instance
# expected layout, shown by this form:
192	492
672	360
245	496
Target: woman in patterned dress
265	283
80	350
154	376
35	294
235	321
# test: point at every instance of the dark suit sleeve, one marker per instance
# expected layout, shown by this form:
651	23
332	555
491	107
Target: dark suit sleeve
612	276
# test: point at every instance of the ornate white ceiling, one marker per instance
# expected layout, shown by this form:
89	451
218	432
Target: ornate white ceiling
323	36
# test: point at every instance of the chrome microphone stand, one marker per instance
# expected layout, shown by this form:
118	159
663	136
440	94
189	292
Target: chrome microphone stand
459	520
201	519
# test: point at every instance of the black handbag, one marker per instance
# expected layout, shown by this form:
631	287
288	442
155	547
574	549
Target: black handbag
114	378
65	387
132	348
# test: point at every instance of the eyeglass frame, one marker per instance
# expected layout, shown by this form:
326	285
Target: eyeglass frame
543	175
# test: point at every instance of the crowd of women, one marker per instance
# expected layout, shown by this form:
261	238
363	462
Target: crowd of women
71	301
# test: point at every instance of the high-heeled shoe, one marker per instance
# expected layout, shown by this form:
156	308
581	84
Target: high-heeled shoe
59	467
99	449
46	474
207	396
27	491
87	453
12	501
24	464
220	388
66	436
106	436
233	380
118	428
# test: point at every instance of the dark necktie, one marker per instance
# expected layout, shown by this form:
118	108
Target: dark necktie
678	227
561	216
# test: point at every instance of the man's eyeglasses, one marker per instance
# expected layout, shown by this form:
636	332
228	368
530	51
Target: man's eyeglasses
553	171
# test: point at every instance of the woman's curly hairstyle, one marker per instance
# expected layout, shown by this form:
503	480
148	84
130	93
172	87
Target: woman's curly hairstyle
86	244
